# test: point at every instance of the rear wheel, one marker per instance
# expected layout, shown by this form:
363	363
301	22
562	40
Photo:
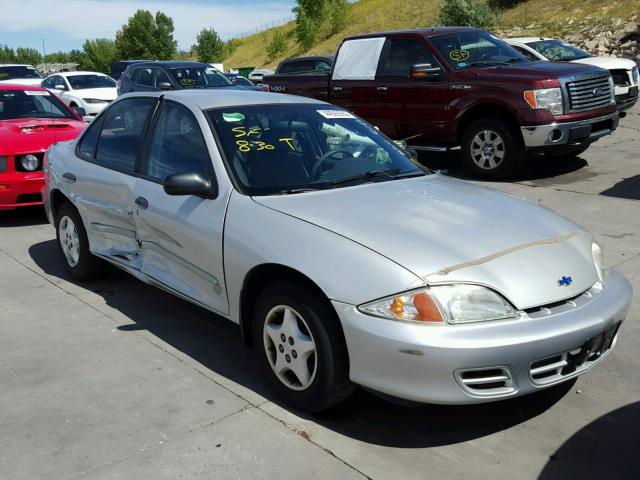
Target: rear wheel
73	245
301	347
492	149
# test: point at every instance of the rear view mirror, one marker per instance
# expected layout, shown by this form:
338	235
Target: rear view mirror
190	184
425	70
165	86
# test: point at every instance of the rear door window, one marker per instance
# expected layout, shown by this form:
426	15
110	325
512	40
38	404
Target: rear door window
122	133
143	77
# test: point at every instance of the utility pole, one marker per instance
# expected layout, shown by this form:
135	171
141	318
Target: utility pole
44	58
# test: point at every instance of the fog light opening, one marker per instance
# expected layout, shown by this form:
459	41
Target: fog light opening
555	135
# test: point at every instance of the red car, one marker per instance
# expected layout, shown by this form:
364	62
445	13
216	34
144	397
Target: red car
31	119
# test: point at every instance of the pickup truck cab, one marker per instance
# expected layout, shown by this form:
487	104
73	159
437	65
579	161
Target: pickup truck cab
441	88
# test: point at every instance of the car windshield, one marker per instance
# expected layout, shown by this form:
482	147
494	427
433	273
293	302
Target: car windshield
31	104
10	72
475	48
200	77
83	82
555	50
294	148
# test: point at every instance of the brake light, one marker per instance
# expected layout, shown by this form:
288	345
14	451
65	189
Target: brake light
265	87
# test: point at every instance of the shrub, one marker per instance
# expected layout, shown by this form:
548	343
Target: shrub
278	45
503	4
475	13
338	15
306	30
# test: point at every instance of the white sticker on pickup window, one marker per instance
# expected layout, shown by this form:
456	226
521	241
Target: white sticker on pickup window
330	114
37	93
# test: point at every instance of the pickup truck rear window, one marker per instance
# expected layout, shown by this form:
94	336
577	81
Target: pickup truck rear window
475	49
287	148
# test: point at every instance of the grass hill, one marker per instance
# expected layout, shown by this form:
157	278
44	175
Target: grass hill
543	17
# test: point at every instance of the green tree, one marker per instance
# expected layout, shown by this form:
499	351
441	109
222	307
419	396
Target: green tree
57	57
307	29
313	9
30	56
78	57
209	47
99	54
278	45
338	15
146	36
475	13
7	54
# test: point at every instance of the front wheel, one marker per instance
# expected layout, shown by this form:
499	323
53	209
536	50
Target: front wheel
301	347
491	149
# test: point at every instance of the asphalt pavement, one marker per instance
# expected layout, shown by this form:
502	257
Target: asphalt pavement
115	379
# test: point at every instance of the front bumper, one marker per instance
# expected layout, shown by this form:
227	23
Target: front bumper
426	363
626	98
20	190
569	133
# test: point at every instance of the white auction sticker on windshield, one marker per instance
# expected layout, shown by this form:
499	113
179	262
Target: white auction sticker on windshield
331	114
36	92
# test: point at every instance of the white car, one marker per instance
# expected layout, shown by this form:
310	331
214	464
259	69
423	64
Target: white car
258	74
623	71
89	90
20	74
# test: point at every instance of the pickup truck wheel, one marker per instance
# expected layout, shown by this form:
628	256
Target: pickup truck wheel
301	347
73	246
491	149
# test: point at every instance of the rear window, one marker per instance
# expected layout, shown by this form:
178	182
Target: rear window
11	72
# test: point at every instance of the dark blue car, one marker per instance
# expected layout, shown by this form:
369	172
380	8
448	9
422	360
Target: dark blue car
239	80
172	75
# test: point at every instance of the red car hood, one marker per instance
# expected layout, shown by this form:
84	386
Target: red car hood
29	135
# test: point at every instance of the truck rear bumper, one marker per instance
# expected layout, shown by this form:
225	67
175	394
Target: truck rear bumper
570	133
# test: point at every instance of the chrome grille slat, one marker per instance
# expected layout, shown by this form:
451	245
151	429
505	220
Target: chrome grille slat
581	93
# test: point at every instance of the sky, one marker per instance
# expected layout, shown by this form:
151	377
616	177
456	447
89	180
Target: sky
65	24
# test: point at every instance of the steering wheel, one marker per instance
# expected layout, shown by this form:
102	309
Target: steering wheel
315	170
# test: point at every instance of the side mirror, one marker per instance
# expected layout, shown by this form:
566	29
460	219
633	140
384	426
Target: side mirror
80	111
165	86
426	71
190	184
412	153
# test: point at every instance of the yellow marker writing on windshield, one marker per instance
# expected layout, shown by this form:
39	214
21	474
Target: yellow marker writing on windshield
288	141
241	132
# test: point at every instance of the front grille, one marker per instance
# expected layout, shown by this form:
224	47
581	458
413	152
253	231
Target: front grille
589	94
620	78
557	367
493	381
20	168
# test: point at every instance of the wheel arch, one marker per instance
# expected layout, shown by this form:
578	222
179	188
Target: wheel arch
263	275
56	199
486	110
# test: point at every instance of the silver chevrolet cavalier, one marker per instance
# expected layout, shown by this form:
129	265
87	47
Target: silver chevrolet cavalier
342	259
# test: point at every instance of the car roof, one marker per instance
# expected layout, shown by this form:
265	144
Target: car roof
10	86
171	64
313	57
219	98
527	39
68	74
15	65
425	32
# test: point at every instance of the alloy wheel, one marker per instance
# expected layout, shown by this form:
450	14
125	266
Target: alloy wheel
487	149
69	241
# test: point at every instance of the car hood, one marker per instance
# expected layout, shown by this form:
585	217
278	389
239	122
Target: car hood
445	230
24	81
610	63
99	93
537	70
30	135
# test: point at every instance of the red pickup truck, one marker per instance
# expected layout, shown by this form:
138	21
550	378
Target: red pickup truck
441	88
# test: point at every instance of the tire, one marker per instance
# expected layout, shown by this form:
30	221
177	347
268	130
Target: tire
570	154
73	246
305	322
491	149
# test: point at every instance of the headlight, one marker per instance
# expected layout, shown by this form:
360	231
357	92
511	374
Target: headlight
94	100
29	162
634	75
612	89
546	98
598	260
442	304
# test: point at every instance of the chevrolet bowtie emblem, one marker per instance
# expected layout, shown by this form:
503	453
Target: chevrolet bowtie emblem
565	281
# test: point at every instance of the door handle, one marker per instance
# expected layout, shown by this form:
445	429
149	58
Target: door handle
337	89
69	177
382	89
142	203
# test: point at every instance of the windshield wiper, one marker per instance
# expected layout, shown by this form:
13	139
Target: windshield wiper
292	191
487	63
368	175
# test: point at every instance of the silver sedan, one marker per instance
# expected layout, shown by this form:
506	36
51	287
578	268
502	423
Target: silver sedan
342	259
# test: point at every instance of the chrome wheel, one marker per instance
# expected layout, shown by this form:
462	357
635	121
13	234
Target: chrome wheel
487	149
290	347
69	241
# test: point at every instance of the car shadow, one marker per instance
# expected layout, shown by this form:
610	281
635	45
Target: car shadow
215	343
605	448
23	217
535	167
629	188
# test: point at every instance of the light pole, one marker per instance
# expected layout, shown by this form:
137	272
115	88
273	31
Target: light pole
44	58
